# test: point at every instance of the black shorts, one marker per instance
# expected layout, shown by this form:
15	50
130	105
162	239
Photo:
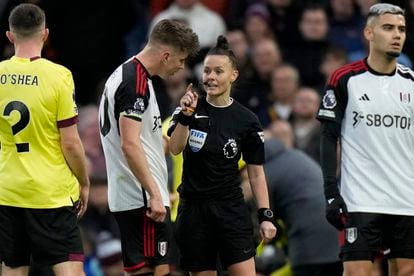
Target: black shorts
49	236
367	234
144	241
208	231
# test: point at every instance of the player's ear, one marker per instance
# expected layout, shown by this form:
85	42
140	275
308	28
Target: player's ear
368	33
234	75
45	34
10	36
165	55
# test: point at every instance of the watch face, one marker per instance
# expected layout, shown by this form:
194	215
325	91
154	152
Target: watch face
268	213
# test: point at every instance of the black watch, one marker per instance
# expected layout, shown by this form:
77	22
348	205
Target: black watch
265	214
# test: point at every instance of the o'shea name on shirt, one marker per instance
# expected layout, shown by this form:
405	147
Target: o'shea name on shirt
17	79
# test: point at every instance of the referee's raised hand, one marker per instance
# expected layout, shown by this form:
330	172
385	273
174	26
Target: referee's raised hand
189	101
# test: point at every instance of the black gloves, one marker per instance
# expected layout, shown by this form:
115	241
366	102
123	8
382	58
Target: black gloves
336	211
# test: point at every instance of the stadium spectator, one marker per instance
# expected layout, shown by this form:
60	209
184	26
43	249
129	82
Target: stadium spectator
89	133
345	25
305	127
257	24
307	53
44	185
332	59
131	136
266	56
284	18
213	220
284	84
367	106
196	15
364	6
205	23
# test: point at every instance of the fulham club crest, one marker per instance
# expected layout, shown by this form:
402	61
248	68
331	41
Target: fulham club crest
163	248
351	234
405	97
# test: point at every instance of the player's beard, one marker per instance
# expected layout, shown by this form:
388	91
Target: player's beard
393	54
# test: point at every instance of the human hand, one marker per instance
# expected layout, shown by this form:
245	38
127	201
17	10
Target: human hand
188	102
83	201
157	211
336	211
267	231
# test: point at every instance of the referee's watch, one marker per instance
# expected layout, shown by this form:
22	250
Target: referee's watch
265	214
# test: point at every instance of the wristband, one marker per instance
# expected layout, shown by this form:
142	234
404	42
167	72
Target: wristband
184	120
265	214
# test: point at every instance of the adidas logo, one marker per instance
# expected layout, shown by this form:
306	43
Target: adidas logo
364	98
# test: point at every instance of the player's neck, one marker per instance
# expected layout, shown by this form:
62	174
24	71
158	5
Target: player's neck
219	101
27	50
381	63
149	60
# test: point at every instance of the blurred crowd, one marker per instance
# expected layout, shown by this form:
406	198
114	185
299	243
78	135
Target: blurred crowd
286	50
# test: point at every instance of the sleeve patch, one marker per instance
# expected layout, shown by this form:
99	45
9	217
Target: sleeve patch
329	99
326	113
139	105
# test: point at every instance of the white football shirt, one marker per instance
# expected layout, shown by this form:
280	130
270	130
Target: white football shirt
129	92
377	139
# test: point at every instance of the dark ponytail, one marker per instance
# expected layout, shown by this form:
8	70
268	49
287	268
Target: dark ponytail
222	48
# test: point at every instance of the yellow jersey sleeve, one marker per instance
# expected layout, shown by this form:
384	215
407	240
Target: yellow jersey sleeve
66	98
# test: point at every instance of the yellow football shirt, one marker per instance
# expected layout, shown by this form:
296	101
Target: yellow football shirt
36	98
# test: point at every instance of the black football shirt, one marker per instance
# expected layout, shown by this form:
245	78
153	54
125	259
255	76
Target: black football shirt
219	137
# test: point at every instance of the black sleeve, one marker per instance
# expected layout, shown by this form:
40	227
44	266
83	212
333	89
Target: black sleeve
131	97
335	100
252	145
174	121
330	133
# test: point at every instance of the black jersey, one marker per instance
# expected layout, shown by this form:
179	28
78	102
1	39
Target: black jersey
219	137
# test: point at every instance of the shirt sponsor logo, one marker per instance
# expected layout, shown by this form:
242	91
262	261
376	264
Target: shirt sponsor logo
230	149
379	120
329	99
196	140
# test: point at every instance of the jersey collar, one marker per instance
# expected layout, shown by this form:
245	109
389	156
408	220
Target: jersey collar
143	67
371	70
